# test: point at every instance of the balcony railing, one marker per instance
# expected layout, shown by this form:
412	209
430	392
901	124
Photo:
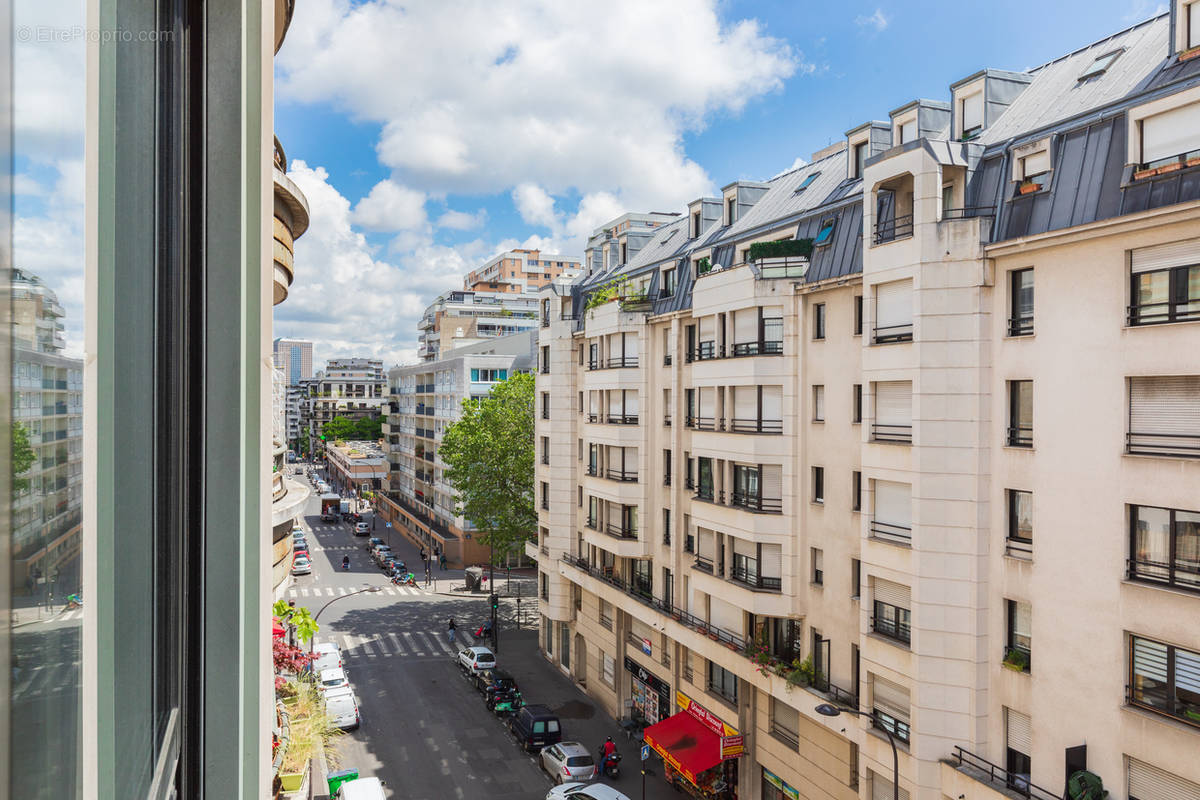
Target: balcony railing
620	531
1163	444
756	425
706	351
667	360
892	629
887	530
985	771
756	503
621	475
705	423
622	419
765	348
968	212
1020	326
666	420
889	230
704	564
1022	436
1183	573
1162	312
752	578
881	432
783	267
622	361
889	334
667	479
593	470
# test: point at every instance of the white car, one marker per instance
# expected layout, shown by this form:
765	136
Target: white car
361	789
325	655
361	527
474	659
342	707
333	678
568	761
580	791
301	566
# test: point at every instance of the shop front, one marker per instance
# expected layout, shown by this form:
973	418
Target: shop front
650	696
699	751
775	788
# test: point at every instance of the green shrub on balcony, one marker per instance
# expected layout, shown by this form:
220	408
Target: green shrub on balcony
783	248
703	266
614	289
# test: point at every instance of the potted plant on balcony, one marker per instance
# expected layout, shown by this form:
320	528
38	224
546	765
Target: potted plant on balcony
311	732
801	672
1028	187
1016	660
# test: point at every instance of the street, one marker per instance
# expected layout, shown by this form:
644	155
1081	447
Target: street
425	730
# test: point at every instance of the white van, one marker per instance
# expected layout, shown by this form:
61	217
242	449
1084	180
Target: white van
361	789
342	707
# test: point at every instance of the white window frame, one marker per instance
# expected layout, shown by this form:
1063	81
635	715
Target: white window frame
1135	116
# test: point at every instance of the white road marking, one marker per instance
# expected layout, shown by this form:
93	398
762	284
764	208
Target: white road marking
412	644
395	640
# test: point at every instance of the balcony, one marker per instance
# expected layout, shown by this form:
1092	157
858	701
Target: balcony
705	351
1182	573
890	532
619	531
968	212
889	230
757	503
1177	445
892	434
1000	779
620	419
667	360
782	267
891	334
747	574
705	423
621	476
763	348
704	565
1022	436
769	426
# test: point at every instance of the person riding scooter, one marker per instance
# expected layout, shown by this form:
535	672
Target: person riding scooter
609	758
345	562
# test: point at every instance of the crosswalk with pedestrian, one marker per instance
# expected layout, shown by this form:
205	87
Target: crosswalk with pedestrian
341	591
405	644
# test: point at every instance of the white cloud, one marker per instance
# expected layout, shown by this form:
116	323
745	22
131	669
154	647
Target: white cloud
462	220
797	164
877	21
1144	9
390	207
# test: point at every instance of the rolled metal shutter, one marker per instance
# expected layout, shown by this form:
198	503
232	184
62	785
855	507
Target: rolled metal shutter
708	328
771	480
631	402
1019	731
1171	133
890	698
614	401
631	345
708	399
1036	163
1149	660
724	615
893	503
1165	256
972	111
705	543
745	325
818	402
893	304
1148	782
745	403
893	403
1165	404
743	547
881	788
772	402
893	594
771	565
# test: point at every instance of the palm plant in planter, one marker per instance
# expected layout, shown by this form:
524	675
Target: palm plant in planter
801	673
312	732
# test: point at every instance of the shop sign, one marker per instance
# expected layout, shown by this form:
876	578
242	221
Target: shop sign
646	647
778	783
732	746
640	672
709	719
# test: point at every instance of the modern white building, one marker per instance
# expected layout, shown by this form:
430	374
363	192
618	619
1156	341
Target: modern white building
947	420
347	387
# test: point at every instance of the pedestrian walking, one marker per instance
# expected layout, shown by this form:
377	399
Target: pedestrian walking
451	630
428	578
422	553
442	559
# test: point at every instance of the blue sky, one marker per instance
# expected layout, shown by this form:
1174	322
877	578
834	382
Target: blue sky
393	116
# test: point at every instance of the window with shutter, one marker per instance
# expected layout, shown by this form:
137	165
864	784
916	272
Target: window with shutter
881	788
771	565
745	409
889	702
1171	134
1148	782
772	408
1164	415
893	511
972	115
907	132
745	328
818	403
1165	678
893	412
893	312
1019	731
725	615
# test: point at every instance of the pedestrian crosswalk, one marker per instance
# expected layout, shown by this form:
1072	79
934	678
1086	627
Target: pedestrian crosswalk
405	644
44	680
341	591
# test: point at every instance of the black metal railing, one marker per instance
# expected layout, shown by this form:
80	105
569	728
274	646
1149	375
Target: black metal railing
593	365
546	459
703	564
619	362
667	360
1020	325
1022	548
889	230
783	267
666	420
705	423
881	432
1160	313
893	629
706	494
567	316
621	475
766	348
622	419
1182	573
1163	444
667	479
593	470
970	763
886	722
968	212
756	425
592	523
757	503
889	334
594	418
888	530
750	577
620	531
1022	436
705	351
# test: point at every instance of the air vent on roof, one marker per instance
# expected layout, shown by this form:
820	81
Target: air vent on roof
1101	64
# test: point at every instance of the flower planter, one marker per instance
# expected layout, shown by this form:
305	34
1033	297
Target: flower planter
1013	667
1169	168
1192	162
1027	188
1188	55
713	635
1143	173
291	782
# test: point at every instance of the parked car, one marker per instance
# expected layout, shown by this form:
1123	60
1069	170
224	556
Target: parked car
361	529
298	533
301	565
342	707
333	678
373	542
580	791
326	655
493	683
473	659
361	789
535	727
380	552
299	546
569	761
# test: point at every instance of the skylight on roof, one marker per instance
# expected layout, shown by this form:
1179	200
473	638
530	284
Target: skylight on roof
1101	64
825	233
804	183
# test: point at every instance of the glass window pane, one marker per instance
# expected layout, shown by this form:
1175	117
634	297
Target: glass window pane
1150	673
1153	287
1152	541
1187	548
1022	515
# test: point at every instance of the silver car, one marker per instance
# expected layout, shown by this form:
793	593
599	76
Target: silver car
568	761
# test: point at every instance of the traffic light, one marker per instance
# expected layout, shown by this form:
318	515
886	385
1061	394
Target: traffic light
494	599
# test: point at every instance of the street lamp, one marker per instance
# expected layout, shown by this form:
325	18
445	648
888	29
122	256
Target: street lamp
830	710
334	600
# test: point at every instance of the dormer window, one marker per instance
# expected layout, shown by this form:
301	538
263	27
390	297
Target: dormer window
730	210
971	112
1031	166
695	224
906	131
1101	64
1192	12
804	184
824	233
860	159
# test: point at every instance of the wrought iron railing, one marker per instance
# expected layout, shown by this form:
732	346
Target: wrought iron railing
620	531
998	775
1022	436
619	362
968	212
1182	573
621	475
1020	325
888	334
893	629
622	419
881	432
889	230
1163	444
756	425
888	530
783	267
757	503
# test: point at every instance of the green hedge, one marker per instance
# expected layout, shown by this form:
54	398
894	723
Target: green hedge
781	249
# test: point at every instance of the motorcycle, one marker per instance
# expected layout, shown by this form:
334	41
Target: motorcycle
346	562
610	765
507	704
405	579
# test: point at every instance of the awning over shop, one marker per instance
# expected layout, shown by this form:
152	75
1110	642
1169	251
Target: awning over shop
686	744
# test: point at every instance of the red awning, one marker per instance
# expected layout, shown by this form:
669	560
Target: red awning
685	743
277	631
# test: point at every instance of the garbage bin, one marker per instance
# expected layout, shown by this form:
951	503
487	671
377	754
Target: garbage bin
336	779
474	576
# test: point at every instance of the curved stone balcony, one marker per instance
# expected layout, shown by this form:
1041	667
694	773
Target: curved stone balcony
290	223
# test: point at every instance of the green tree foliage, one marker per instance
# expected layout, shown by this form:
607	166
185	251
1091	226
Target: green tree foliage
301	617
22	456
489	453
346	429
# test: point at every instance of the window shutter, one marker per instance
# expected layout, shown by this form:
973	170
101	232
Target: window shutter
594	402
972	111
908	132
1171	133
893	503
1023	623
742	547
771	481
745	325
1149	660
1165	256
1193	39
708	328
785	716
1036	163
893	403
893	594
1187	670
745	403
772	402
1019	732
893	304
772	312
614	402
724	615
881	788
818	402
705	543
474	375
890	698
708	396
1165	404
631	403
1148	782
631	346
771	565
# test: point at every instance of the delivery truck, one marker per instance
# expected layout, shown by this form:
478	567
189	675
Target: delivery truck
330	507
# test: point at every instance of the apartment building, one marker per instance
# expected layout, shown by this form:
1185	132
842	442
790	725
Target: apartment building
294	357
521	272
356	466
347	387
619	239
947	421
460	317
425	399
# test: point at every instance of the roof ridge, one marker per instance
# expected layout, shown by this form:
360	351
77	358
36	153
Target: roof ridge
1110	37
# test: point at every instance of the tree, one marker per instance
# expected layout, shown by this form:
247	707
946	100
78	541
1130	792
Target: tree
299	616
489	455
22	456
346	429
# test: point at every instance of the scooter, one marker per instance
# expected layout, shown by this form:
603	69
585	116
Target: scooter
507	704
406	579
346	563
611	766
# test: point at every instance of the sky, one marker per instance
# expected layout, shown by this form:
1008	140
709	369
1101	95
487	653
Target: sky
429	136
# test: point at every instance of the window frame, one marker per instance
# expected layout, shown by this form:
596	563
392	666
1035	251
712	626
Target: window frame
818	321
721	690
897	627
825	232
1012	637
1020	324
1016	436
1171	566
1136	694
1097	68
1178	285
818	485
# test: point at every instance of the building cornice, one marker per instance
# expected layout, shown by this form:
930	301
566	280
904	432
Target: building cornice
1129	223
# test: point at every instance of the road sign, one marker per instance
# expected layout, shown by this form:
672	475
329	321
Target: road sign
389	524
645	752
